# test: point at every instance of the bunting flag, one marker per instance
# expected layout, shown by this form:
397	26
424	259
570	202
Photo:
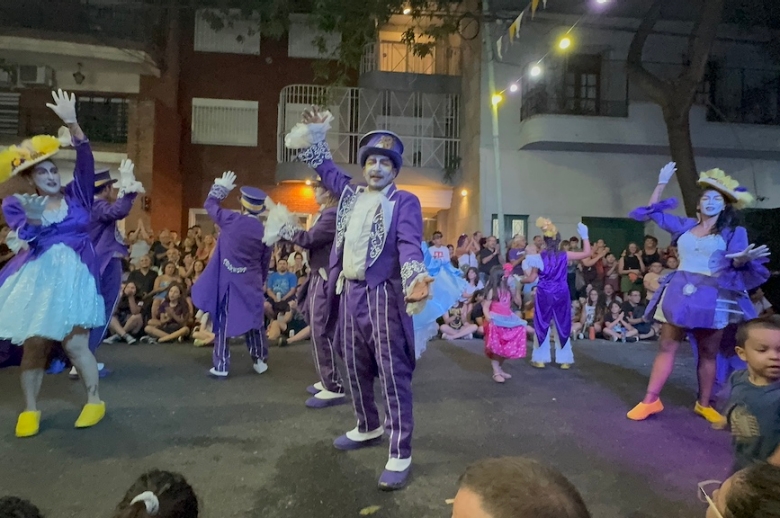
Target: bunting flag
534	7
498	47
514	29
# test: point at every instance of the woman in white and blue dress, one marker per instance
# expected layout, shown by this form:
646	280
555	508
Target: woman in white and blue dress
50	291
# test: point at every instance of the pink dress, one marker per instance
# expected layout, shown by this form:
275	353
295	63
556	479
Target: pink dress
505	334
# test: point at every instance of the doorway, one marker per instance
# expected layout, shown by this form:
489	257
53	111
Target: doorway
617	233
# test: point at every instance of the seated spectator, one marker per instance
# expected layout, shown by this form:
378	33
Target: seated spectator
477	315
671	251
750	493
610	296
203	333
159	249
186	270
280	288
127	319
173	256
162	494
205	251
197	268
189	246
473	283
169	275
515	487
762	306
140	243
516	253
631	268
652	279
169	321
671	265
591	318
635	315
455	324
299	268
574	244
650	253
143	277
286	326
14	507
576	310
611	273
616	326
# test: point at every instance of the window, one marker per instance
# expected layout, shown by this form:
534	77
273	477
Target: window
582	84
223	122
301	40
234	33
9	114
104	119
514	224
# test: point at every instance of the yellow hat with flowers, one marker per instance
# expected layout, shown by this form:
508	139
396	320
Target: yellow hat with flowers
719	181
547	227
15	159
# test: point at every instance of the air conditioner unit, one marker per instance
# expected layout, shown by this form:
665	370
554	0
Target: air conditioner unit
31	75
7	77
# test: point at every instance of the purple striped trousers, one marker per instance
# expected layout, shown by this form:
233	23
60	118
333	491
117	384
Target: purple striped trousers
255	340
322	343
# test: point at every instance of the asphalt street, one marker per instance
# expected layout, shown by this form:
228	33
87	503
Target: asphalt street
252	449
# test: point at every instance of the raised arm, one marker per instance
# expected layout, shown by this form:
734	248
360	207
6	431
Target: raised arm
664	176
108	212
218	192
578	256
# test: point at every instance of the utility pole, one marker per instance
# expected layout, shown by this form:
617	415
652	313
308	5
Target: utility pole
494	112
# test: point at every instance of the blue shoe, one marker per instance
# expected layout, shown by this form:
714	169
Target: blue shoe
344	443
315	402
394	480
105	371
56	366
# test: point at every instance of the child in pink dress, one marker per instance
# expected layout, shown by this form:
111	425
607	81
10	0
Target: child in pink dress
505	334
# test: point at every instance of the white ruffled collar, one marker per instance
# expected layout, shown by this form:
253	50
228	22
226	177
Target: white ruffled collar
58	215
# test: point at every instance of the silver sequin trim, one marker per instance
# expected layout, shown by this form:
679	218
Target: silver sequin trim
342	216
288	231
218	192
233	269
316	154
377	239
410	270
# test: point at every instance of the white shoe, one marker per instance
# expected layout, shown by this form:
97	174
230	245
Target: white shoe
580	336
74	373
218	374
260	366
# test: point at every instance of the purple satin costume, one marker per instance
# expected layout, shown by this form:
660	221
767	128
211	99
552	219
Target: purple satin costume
230	289
110	249
374	331
314	299
553	304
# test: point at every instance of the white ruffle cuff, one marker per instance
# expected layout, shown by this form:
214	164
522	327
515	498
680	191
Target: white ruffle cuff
15	243
303	136
279	224
133	187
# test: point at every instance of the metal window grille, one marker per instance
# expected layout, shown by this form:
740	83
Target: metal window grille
9	114
104	119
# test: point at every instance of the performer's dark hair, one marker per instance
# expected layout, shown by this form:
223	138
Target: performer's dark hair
496	282
15	507
19	184
177	498
516	487
755	493
743	332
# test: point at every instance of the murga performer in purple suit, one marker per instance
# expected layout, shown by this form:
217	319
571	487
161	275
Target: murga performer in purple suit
230	289
553	301
315	300
109	243
377	267
50	292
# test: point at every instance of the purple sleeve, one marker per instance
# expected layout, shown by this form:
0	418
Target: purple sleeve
321	234
746	277
17	219
109	212
319	158
219	215
409	237
675	225
83	185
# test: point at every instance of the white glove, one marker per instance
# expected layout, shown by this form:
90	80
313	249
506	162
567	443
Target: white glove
666	173
33	205
582	230
126	168
228	180
750	253
64	106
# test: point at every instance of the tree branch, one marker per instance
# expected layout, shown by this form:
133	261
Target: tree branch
652	85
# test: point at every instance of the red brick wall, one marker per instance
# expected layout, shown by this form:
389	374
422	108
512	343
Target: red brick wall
240	77
298	197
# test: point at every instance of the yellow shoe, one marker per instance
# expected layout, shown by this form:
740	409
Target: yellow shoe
91	414
566	366
644	410
28	423
538	365
709	413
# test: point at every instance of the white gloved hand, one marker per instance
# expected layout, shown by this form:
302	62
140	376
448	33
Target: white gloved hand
582	230
126	168
228	180
64	106
750	253
667	172
33	205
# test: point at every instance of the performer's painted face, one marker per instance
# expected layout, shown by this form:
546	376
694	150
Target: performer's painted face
378	172
711	203
46	178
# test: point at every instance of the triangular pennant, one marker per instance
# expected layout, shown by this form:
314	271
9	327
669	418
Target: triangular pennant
534	7
498	47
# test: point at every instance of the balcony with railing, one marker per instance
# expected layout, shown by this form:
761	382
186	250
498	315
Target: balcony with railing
393	65
428	124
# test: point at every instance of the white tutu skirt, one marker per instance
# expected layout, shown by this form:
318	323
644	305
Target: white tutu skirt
48	297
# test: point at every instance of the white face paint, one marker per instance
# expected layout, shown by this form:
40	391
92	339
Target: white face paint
46	178
378	172
711	203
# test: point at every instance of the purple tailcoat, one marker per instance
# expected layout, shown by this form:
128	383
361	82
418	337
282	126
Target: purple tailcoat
72	231
238	268
102	228
553	301
737	280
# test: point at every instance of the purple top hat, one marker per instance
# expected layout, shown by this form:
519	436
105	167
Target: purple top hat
103	178
253	199
382	142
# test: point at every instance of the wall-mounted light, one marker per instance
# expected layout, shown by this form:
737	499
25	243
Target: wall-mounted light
407	10
78	76
307	182
464	193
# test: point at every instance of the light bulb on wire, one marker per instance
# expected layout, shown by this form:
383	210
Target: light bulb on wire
496	99
513	87
535	71
564	43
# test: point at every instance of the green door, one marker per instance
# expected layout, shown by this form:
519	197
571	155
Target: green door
617	233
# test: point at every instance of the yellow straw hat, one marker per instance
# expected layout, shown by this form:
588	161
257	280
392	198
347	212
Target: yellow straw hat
15	159
717	180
